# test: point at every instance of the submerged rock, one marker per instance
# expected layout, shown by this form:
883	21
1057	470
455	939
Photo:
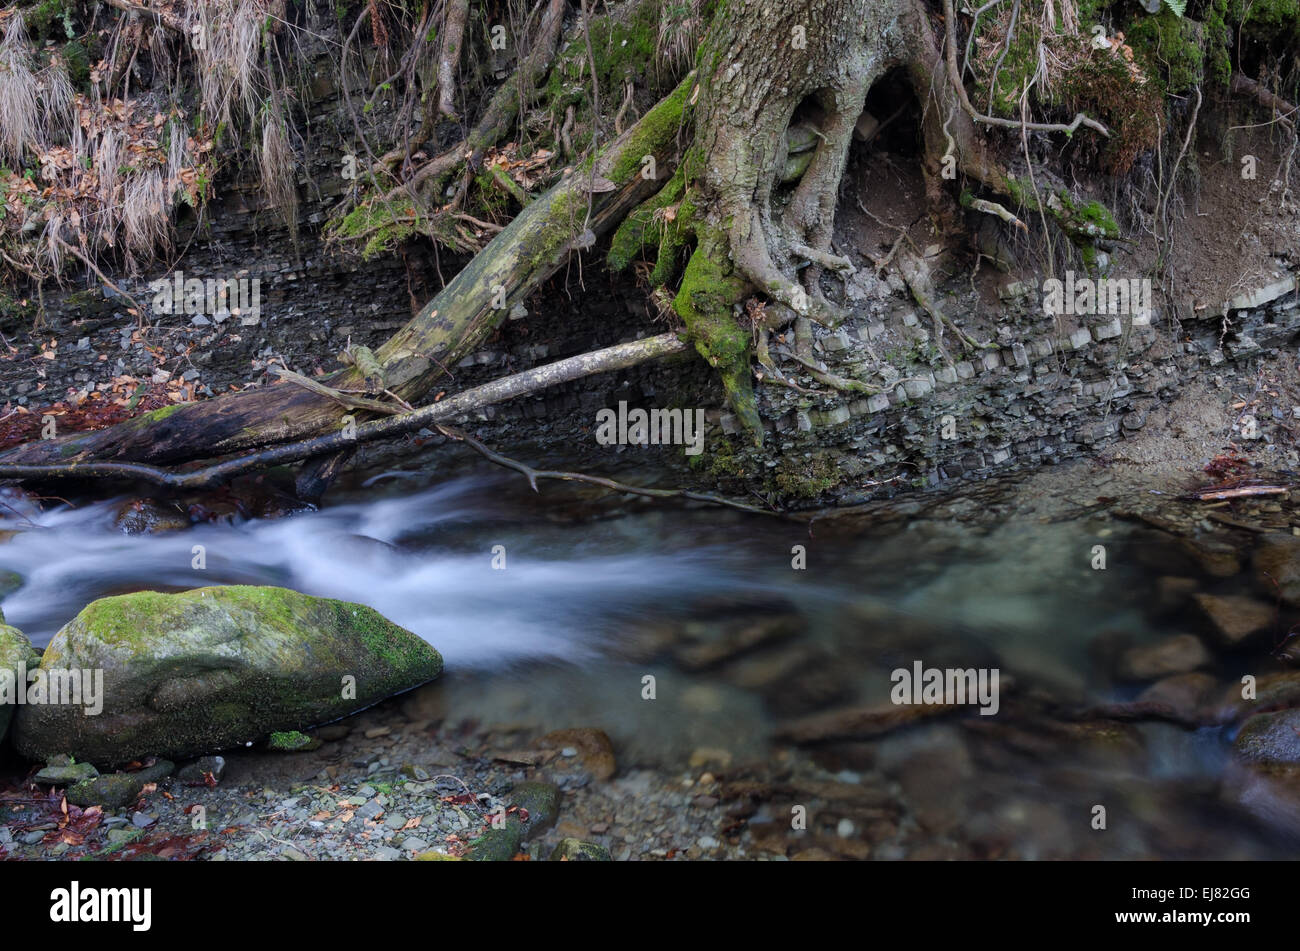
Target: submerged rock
1179	654
1236	617
1271	739
1276	691
1277	566
211	668
1185	694
149	517
1216	558
592	746
1269	793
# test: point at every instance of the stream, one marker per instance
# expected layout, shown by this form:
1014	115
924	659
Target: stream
559	607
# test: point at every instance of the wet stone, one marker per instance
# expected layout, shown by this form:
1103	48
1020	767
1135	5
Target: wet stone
1172	655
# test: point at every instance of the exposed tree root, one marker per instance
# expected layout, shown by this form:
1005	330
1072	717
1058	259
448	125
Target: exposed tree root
453	32
954	77
497	120
1284	111
834	381
916	273
952	137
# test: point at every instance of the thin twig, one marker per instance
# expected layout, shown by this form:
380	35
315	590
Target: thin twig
532	475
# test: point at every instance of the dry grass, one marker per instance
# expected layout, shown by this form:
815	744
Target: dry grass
276	165
145	220
679	33
230	75
56	98
19	103
115	160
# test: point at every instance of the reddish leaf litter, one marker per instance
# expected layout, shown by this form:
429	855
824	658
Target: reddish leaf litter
26	809
18	424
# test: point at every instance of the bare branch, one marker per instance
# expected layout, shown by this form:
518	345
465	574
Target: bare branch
617	357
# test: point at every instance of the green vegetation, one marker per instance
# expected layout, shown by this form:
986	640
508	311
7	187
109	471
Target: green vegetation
378	226
806	478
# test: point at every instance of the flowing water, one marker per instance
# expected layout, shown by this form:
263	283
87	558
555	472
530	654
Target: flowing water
555	608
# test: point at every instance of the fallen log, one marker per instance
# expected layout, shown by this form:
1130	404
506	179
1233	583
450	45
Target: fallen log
618	357
535	245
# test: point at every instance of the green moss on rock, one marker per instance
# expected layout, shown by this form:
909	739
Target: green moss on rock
291	741
542	803
216	667
499	844
708	292
15	652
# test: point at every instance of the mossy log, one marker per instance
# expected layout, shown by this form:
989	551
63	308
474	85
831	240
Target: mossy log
569	217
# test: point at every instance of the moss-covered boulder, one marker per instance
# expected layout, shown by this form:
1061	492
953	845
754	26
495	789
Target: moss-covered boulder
211	668
499	844
114	790
15	652
541	803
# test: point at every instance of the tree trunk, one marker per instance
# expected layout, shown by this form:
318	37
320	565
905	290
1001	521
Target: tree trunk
765	64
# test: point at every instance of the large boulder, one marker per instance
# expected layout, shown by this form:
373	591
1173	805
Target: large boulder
211	668
15	654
